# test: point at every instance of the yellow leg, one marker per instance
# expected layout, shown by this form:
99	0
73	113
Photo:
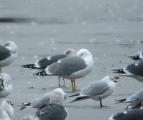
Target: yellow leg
64	81
74	85
59	80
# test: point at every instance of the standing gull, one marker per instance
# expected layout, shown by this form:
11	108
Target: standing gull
8	53
134	114
72	67
46	61
98	90
5	86
134	70
135	100
50	106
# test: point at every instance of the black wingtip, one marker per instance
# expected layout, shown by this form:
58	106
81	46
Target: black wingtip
42	73
22	108
121	71
24	105
79	98
135	57
28	66
120	101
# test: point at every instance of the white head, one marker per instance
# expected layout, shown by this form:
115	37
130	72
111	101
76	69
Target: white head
5	77
57	96
84	53
7	106
110	78
70	52
10	45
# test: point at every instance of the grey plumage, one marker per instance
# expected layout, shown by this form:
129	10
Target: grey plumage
134	100
52	112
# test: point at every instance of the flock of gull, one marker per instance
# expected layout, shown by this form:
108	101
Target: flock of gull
70	65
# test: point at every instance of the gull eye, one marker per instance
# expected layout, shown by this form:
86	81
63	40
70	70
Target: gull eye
81	54
6	44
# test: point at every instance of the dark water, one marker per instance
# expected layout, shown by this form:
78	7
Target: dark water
111	30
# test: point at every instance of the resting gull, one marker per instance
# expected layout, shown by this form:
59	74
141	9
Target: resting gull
135	100
98	90
8	53
72	67
134	70
134	114
56	96
50	106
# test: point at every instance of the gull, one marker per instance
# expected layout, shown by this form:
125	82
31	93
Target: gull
6	110
46	61
139	56
72	67
8	53
56	96
49	106
135	100
97	91
133	114
5	86
134	70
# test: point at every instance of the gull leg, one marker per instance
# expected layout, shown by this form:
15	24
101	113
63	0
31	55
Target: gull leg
0	69
64	81
72	84
101	105
59	81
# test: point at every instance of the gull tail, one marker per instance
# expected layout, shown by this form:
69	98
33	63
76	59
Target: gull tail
120	101
25	105
29	66
121	71
135	57
80	98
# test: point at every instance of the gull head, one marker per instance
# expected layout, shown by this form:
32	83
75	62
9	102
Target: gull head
61	93
57	96
5	76
111	78
70	52
10	45
84	53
